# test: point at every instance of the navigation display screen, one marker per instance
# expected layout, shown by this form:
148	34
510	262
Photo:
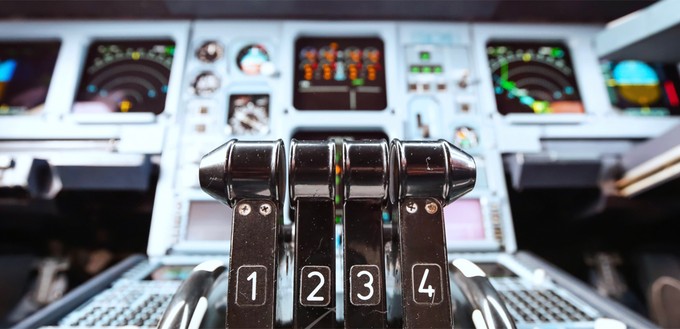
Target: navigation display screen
125	76
464	221
208	221
533	77
643	89
339	74
25	74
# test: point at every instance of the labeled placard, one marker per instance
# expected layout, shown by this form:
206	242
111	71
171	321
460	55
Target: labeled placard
427	283
364	285
251	285
315	285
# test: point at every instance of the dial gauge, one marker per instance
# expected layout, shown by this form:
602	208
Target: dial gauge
209	52
254	60
205	84
125	76
531	77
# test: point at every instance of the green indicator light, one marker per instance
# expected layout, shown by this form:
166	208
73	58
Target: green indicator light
425	56
358	82
170	50
438	69
427	69
557	52
415	69
337	179
338	219
337	199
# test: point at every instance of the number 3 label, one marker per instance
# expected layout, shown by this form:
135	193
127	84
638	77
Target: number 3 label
364	285
315	285
426	280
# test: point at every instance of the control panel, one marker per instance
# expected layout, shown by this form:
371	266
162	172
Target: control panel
347	112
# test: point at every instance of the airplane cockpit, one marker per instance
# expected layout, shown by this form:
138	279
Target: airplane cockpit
339	164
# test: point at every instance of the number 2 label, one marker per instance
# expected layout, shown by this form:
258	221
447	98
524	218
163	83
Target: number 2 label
315	285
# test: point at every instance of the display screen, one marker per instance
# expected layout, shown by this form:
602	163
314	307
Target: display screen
533	77
125	76
464	221
339	74
645	89
208	221
171	273
248	114
25	74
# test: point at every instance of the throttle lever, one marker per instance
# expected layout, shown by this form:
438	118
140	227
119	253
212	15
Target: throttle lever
425	177
487	307
249	176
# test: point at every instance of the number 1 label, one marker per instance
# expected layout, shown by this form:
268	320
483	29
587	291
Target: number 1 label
251	285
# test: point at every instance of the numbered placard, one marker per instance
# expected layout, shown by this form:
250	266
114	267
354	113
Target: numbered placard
315	285
427	283
364	285
251	284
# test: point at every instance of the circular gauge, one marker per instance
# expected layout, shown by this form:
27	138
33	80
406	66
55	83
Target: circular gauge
465	138
205	84
637	82
533	78
209	52
249	114
129	76
254	60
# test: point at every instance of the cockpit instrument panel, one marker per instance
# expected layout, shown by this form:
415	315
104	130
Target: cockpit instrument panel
533	77
25	73
339	74
125	76
643	89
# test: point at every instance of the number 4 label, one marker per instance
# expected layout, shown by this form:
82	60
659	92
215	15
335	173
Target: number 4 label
426	280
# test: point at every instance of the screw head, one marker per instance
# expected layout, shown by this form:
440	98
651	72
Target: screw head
244	209
411	207
265	209
431	207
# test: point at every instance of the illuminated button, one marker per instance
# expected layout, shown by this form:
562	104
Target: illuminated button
465	138
427	69
415	69
424	56
438	69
